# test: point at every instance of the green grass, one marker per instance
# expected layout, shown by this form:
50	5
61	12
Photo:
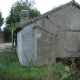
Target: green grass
10	69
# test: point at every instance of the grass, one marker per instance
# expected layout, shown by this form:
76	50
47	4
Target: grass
10	69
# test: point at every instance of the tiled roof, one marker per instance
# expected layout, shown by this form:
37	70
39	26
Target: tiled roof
50	12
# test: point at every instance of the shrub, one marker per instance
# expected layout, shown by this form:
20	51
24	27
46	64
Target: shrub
6	35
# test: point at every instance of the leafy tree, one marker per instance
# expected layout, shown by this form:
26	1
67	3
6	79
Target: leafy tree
16	8
1	19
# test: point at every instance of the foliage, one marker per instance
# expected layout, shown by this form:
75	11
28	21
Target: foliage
16	8
6	35
1	33
62	71
10	69
7	58
1	36
1	19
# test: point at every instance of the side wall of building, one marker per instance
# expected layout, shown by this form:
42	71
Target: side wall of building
44	47
67	40
55	36
27	45
65	25
19	46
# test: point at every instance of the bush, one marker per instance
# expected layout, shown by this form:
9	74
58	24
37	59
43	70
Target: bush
6	35
1	36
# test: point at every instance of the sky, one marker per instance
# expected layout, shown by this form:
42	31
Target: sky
42	5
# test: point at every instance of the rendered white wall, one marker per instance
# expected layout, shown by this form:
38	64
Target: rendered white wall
26	45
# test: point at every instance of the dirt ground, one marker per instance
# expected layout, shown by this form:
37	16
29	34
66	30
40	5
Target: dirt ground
5	46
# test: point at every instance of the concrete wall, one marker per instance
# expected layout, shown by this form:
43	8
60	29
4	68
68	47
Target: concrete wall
66	23
66	42
19	46
25	45
45	47
50	40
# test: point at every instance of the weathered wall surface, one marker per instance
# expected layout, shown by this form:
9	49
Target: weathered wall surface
28	44
66	25
19	46
26	52
66	42
45	47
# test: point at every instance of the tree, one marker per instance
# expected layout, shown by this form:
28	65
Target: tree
16	8
1	19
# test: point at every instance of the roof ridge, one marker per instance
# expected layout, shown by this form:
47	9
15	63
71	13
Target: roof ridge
55	9
51	11
76	4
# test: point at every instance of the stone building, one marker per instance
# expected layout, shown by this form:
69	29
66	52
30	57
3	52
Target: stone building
55	34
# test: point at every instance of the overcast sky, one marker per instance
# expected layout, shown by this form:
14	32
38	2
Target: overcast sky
42	5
